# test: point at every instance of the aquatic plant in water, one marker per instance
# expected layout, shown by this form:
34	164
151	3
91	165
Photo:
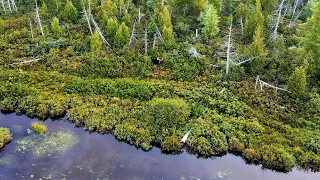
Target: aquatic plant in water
40	146
5	136
39	128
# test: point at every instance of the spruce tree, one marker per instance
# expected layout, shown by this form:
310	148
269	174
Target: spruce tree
70	13
126	18
110	7
269	6
44	10
298	83
168	36
111	29
210	22
95	43
254	20
165	19
122	36
311	32
56	29
257	51
216	3
2	25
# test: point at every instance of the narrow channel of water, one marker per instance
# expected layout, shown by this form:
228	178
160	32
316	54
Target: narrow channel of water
95	156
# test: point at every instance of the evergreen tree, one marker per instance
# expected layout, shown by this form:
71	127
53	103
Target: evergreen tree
70	13
55	27
242	11
2	25
168	36
111	29
110	8
126	18
44	10
216	3
201	5
122	36
269	6
253	21
164	18
311	32
95	43
258	51
210	21
298	83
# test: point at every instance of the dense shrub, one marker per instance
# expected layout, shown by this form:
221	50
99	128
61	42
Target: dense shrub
277	158
39	128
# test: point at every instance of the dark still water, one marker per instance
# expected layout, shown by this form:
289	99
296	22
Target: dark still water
71	153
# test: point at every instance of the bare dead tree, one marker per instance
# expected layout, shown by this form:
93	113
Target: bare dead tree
4	8
9	6
99	31
31	28
228	50
262	84
14	7
38	19
146	40
87	17
285	12
25	62
275	32
293	12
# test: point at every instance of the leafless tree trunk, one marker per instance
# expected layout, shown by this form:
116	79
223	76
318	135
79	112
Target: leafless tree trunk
9	6
241	23
275	32
229	47
38	19
4	8
146	41
31	28
293	12
87	17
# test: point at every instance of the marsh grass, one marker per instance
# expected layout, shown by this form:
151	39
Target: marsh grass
39	128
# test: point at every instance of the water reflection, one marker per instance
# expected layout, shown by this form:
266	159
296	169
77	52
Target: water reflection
98	156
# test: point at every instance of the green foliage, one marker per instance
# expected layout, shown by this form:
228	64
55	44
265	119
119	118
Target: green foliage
2	25
55	28
168	37
39	128
122	36
311	33
258	51
255	20
5	136
165	19
44	10
210	22
297	83
70	13
126	17
111	29
110	8
95	43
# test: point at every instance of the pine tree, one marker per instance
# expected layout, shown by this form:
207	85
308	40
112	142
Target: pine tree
254	20
111	29
311	32
95	43
126	18
56	28
210	22
298	83
70	13
122	36
168	36
258	51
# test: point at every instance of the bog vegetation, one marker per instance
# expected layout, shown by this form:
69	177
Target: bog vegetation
242	75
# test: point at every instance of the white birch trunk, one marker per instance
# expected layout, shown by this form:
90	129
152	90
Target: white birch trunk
38	19
4	8
31	29
9	6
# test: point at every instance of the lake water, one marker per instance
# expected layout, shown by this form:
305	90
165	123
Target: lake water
96	156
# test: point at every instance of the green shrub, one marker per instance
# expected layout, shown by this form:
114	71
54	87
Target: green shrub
277	158
39	128
5	136
310	160
251	156
172	144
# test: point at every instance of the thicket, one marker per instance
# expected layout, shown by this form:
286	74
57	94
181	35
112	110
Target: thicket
153	98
